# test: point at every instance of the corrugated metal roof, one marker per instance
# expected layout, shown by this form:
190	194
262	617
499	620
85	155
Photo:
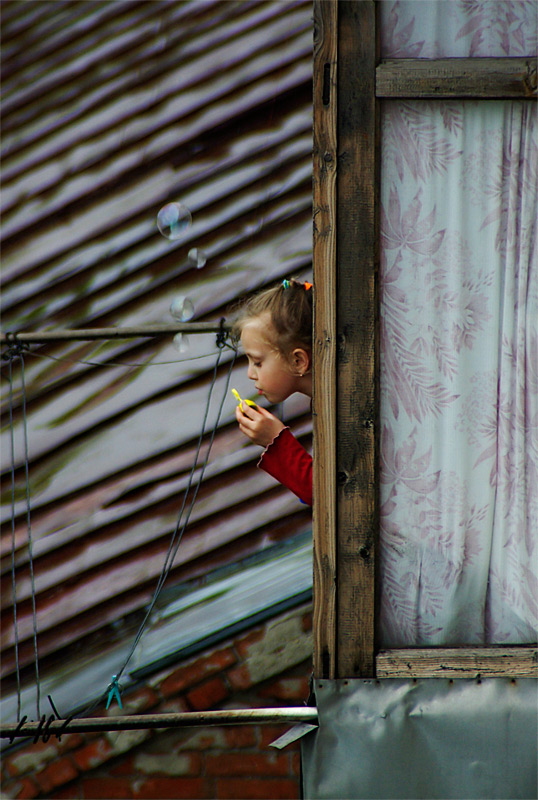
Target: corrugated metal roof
110	110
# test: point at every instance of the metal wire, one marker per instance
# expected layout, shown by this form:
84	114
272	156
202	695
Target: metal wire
119	363
173	546
13	582
30	548
15	351
180	525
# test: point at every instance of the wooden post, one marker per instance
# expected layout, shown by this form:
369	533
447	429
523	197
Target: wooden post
356	315
324	398
345	520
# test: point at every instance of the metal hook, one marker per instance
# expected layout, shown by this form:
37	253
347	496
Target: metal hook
15	346
222	334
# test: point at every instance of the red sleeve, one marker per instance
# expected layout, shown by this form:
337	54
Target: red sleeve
287	461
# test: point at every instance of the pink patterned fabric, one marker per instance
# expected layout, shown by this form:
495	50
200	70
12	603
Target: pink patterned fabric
459	358
458	28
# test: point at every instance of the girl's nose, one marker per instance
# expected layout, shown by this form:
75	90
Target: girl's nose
251	373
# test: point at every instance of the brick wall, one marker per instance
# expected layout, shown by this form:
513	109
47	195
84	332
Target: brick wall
268	666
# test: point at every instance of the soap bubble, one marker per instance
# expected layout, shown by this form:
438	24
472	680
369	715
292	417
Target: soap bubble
173	220
181	342
197	258
182	309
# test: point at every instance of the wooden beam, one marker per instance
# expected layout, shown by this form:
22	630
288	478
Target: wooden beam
324	396
356	316
481	78
345	186
459	662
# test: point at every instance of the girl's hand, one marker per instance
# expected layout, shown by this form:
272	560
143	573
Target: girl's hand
259	425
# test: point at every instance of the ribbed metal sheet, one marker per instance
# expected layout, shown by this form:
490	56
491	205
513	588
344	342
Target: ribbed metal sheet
110	110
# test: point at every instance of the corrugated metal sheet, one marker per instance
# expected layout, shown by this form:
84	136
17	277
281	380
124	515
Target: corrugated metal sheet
110	110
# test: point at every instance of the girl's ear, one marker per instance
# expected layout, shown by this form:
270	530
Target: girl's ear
300	360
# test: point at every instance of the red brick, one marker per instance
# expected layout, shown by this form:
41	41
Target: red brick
107	789
165	788
23	789
93	754
208	694
241	736
195	672
203	739
287	689
239	678
124	767
244	644
56	774
306	622
174	706
30	758
141	700
69	741
274	763
257	789
73	791
168	765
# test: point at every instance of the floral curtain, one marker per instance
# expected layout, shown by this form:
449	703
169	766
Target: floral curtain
459	342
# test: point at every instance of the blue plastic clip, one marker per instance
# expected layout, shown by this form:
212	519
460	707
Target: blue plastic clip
114	692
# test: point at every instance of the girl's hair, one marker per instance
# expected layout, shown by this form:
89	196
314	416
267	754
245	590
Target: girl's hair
290	307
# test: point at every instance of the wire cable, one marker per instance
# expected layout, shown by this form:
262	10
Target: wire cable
180	527
120	363
15	351
30	548
175	540
13	582
181	524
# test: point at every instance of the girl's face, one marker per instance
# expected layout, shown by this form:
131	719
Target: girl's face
274	376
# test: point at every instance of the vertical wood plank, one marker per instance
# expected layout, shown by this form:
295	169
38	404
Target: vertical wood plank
324	395
356	316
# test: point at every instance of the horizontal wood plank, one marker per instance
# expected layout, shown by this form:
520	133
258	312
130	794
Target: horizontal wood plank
486	78
459	662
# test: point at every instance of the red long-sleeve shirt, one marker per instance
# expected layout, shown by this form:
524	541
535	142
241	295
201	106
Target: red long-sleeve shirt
287	461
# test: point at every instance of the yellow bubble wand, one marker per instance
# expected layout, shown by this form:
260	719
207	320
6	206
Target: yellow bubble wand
240	401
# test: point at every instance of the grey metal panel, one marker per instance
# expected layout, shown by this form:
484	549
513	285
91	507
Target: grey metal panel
430	738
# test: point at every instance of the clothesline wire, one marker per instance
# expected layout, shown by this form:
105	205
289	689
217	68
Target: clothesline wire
16	352
177	535
179	529
13	582
122	363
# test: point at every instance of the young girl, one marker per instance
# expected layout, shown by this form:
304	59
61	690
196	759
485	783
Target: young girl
275	328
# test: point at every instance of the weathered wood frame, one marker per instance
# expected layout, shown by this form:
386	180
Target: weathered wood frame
349	81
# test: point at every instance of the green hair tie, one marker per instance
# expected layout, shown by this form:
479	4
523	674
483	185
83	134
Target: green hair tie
286	284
